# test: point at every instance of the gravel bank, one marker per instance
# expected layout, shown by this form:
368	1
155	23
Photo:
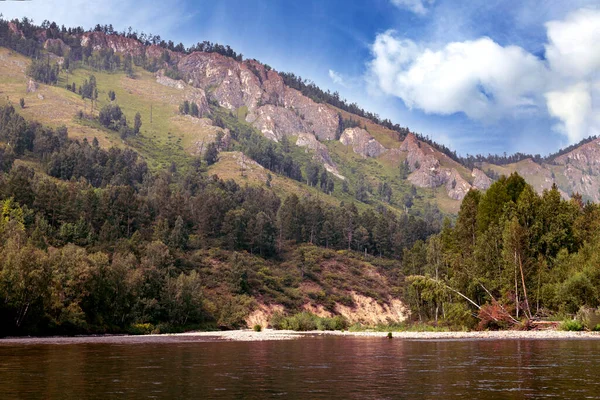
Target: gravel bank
269	335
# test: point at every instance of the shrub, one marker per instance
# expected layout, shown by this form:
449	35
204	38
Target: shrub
571	325
303	321
306	321
589	317
140	329
257	328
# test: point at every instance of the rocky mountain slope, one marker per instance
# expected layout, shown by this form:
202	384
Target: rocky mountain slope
278	110
259	95
577	171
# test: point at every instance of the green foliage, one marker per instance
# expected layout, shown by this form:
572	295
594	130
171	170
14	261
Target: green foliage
211	155
571	325
257	328
184	108
137	123
511	254
41	71
110	116
141	329
173	73
306	321
89	89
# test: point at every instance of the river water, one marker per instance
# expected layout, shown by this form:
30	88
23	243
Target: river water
308	368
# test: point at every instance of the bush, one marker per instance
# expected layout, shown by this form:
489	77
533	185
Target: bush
306	321
257	328
140	329
589	317
571	325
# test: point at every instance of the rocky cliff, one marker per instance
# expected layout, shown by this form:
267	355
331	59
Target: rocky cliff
480	180
427	171
309	141
362	142
278	110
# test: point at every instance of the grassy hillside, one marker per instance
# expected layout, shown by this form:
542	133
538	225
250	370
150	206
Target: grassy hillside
167	137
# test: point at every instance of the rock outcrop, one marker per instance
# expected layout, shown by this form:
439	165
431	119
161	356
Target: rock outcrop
480	180
233	85
309	141
275	122
585	158
427	171
362	142
12	27
229	82
192	94
56	46
456	186
273	108
32	86
118	43
416	157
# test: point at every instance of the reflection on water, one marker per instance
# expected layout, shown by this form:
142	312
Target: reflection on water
322	368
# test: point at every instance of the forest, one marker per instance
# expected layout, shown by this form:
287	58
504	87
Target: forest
92	241
512	257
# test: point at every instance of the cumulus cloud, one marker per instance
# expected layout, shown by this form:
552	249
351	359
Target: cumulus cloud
485	80
419	7
573	54
573	48
480	78
573	106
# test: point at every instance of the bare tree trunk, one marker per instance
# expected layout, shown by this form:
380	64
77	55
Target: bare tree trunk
516	286
537	310
524	287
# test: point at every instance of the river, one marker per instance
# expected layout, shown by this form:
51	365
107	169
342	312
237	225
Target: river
307	368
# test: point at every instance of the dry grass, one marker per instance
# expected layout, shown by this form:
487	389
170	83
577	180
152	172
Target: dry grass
229	166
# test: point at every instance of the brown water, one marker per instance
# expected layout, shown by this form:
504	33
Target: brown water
313	368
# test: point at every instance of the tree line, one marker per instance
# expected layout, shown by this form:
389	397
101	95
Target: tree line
511	257
100	244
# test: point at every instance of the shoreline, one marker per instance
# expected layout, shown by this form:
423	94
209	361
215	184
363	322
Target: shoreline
248	335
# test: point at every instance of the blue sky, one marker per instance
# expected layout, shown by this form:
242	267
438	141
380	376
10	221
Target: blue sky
478	76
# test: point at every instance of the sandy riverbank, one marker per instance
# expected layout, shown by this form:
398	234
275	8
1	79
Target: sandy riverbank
272	335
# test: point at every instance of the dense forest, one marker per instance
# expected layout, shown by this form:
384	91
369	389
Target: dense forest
513	256
95	242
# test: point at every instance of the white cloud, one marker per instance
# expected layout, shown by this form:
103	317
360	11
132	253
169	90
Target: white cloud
419	7
573	54
573	106
574	44
485	80
336	78
480	78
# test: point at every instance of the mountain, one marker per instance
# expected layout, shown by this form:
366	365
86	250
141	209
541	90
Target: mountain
195	170
269	105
